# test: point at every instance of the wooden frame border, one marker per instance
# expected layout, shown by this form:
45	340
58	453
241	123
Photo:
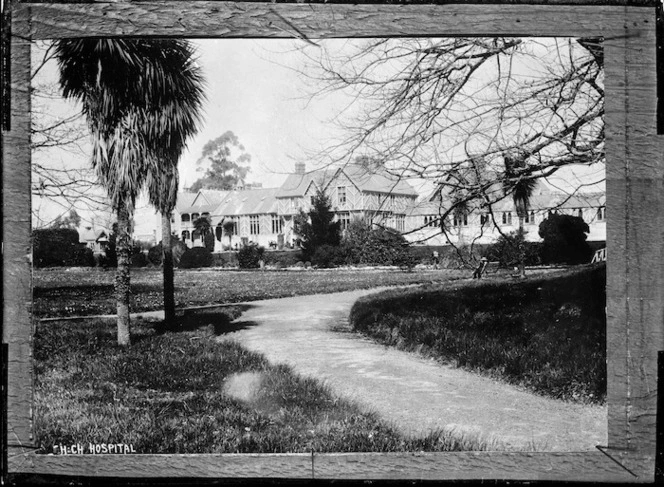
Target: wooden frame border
635	269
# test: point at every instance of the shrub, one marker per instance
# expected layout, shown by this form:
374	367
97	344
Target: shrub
155	254
196	257
327	256
285	258
59	247
249	256
376	246
565	240
506	250
138	260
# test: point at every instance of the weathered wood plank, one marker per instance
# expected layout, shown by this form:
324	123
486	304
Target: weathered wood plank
261	19
290	466
17	275
635	223
635	270
585	466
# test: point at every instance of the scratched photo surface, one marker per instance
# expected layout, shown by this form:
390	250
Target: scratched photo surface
376	245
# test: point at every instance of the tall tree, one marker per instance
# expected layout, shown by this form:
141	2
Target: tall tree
168	129
226	163
429	108
118	81
317	227
521	187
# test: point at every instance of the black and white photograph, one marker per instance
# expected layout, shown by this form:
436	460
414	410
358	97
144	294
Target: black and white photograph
284	241
372	245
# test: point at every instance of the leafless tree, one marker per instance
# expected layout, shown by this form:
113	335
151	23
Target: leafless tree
452	110
58	139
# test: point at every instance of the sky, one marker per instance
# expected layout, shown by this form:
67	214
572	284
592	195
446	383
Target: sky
252	89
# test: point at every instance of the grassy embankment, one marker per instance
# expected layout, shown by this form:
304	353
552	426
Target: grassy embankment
186	392
546	333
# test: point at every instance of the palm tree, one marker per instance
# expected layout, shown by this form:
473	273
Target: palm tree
521	187
169	128
119	82
203	227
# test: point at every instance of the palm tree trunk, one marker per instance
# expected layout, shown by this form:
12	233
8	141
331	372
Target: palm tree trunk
522	248
122	283
169	281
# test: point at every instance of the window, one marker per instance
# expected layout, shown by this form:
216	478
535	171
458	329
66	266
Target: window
529	217
459	218
401	222
277	224
254	225
185	217
601	213
507	217
344	218
430	220
579	213
484	218
341	195
185	235
392	200
194	216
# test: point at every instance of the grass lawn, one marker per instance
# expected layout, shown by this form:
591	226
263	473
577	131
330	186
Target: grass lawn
186	392
60	292
546	333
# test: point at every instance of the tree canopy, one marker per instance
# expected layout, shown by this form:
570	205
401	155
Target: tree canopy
455	111
227	164
317	227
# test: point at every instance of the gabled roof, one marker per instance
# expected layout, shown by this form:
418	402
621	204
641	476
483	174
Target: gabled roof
185	200
376	180
369	180
298	184
248	202
89	234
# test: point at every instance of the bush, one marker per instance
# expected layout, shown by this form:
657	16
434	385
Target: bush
59	247
506	250
284	258
327	256
196	257
155	253
565	240
138	260
376	246
250	255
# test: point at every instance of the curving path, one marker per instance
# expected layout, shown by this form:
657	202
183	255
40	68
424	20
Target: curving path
415	394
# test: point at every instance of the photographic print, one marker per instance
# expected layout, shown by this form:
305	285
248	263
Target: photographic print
257	240
375	245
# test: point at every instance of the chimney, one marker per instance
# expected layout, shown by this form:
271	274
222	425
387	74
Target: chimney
300	168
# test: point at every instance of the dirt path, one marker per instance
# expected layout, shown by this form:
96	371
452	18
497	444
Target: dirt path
416	394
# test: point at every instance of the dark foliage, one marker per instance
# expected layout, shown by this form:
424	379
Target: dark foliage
138	259
155	254
506	250
196	257
544	333
326	256
59	247
376	246
565	240
249	256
